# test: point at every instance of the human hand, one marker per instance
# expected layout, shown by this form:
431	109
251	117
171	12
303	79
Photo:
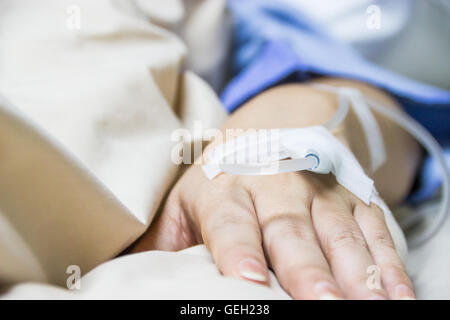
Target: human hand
318	238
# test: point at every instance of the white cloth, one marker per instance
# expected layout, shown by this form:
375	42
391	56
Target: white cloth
85	160
188	274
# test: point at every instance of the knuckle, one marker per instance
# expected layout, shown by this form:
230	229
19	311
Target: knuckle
216	222
348	237
335	211
287	227
382	239
225	233
310	272
394	270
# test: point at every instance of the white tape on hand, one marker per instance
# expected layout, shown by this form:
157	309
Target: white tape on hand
313	148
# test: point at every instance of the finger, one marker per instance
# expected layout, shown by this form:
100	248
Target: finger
290	241
393	274
345	247
231	232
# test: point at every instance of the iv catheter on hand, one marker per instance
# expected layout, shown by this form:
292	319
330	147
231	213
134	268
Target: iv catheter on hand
309	158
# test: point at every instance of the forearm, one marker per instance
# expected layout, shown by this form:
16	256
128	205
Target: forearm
300	105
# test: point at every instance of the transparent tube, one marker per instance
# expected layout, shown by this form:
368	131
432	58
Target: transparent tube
434	149
423	136
340	114
270	168
343	106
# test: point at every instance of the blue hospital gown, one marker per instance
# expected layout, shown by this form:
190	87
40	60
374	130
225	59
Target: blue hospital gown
274	43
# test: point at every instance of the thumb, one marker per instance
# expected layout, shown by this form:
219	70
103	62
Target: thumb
169	231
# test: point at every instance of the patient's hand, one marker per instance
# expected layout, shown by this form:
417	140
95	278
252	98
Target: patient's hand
317	237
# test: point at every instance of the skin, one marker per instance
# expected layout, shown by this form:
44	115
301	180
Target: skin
317	237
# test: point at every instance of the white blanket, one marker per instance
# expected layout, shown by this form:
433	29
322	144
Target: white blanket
99	87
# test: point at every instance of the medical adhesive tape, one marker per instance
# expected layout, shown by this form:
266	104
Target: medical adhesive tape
313	148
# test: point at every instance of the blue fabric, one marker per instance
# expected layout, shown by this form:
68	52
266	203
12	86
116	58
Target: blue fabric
429	180
275	43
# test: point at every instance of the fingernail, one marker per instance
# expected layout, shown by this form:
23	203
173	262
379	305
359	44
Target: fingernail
403	292
252	270
326	291
377	297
